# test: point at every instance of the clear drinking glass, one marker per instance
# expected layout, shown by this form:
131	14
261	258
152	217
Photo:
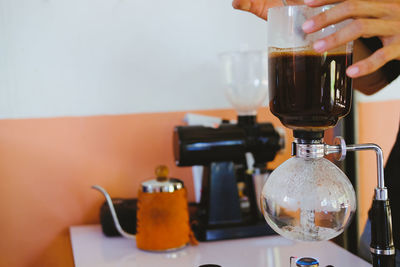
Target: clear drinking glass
307	90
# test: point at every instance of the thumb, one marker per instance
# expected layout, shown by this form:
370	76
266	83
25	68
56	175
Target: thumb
257	7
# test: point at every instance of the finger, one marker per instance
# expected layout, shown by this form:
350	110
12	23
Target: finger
242	4
374	62
294	2
316	3
356	29
395	39
346	10
257	7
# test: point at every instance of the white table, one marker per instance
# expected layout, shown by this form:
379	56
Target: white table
91	248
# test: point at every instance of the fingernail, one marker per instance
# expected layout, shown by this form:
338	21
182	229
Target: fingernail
319	45
352	71
307	2
308	25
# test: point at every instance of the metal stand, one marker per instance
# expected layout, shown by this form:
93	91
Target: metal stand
382	246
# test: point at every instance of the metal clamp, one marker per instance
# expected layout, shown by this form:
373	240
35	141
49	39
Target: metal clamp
311	149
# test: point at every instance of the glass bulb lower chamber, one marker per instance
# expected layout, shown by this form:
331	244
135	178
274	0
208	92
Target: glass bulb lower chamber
308	199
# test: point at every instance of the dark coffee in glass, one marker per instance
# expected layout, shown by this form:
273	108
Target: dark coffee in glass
309	90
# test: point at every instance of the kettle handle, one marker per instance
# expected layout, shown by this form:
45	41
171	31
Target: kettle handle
113	213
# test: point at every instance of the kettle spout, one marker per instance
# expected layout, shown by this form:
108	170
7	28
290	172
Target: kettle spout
113	213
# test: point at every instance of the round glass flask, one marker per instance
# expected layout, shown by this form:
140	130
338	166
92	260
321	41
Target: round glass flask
308	199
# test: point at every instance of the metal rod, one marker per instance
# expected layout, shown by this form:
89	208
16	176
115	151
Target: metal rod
342	149
317	149
379	159
332	149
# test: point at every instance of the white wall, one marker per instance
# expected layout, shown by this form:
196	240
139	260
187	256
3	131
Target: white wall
90	57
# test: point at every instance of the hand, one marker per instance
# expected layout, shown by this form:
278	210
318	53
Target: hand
260	7
370	18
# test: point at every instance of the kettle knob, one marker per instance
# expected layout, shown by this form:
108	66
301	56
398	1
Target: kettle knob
161	173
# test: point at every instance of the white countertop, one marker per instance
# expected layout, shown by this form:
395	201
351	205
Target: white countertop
91	248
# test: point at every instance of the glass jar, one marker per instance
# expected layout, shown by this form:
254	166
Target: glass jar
308	90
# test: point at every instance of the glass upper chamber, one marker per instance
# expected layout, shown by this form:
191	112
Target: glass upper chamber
307	90
308	199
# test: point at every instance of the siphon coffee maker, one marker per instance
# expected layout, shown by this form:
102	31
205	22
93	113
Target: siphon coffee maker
307	197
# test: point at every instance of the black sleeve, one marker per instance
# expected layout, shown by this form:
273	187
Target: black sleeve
392	169
392	182
391	69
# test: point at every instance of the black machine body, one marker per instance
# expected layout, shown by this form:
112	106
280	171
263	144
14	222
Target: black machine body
229	206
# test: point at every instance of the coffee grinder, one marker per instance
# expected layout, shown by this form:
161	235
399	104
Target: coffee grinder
228	206
307	197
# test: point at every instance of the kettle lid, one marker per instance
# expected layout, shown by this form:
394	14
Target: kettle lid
162	183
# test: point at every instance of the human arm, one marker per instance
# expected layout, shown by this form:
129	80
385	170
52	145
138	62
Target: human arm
373	71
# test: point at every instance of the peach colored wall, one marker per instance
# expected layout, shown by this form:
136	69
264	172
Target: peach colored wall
48	165
378	123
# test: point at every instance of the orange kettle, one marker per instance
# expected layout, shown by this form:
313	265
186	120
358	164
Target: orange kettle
162	214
